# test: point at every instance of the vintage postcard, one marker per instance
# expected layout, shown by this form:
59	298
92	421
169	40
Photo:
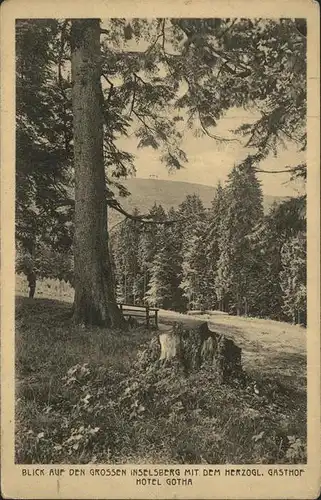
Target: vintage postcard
160	229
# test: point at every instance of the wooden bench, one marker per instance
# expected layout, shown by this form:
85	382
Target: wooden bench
149	313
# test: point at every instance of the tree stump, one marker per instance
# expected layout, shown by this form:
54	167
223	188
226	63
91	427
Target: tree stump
200	348
170	346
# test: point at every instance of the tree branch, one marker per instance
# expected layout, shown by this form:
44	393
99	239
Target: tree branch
290	169
146	219
137	77
133	99
61	84
216	137
246	71
242	74
301	28
148	127
111	88
228	28
289	136
61	51
163	35
149	49
115	150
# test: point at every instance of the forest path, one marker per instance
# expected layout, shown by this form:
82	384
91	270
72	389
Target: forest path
267	346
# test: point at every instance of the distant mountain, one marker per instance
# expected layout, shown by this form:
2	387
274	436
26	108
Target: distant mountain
145	192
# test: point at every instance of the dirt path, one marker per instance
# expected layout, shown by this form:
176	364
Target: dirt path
266	345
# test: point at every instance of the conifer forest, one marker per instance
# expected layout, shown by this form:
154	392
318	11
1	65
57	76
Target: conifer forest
221	376
231	257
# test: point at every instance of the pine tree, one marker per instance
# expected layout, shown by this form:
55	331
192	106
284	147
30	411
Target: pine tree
194	271
159	289
125	248
284	221
44	210
193	248
293	278
205	58
239	262
267	246
149	244
158	293
213	236
173	244
164	268
95	294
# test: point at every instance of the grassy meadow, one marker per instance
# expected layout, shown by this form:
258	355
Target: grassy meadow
82	397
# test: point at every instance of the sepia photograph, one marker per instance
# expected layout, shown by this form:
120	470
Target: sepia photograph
160	247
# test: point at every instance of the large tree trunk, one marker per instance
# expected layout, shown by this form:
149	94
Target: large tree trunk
95	301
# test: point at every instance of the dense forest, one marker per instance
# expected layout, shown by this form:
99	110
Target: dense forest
94	387
230	257
81	85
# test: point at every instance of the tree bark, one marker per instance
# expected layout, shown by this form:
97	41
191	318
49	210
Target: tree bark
246	307
95	300
192	349
170	346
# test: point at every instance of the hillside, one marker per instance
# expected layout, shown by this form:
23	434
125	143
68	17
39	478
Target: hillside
145	192
82	399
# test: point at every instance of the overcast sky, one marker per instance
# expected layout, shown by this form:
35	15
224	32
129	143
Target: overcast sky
210	161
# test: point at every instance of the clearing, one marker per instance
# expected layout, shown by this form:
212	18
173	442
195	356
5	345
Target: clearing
81	398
